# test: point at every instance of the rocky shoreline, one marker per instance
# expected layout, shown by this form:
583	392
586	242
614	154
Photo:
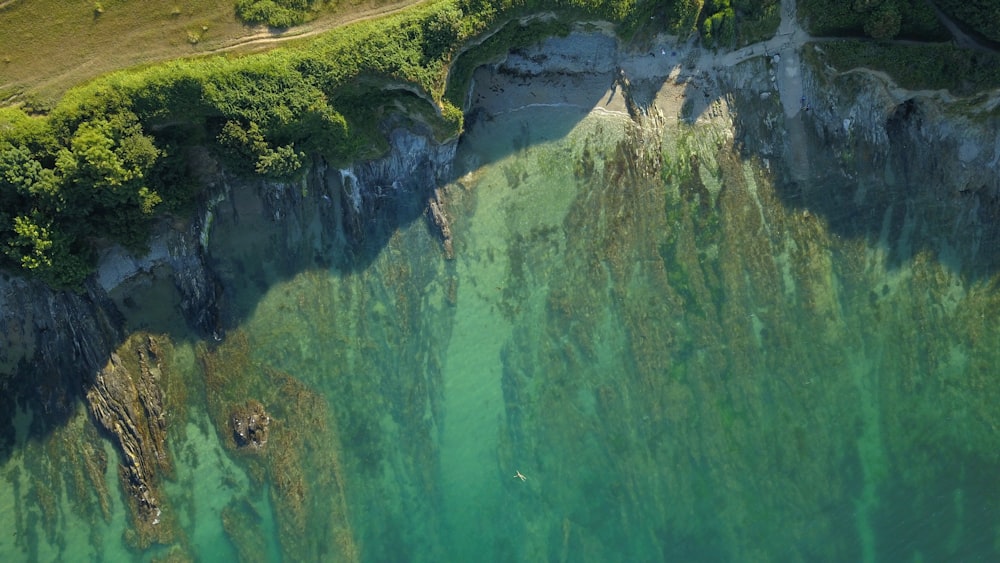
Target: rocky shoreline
79	342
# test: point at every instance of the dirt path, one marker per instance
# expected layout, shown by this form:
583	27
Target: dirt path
785	45
963	39
316	27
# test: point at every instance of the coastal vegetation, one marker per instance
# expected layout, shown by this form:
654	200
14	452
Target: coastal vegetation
940	66
113	154
729	22
276	13
982	16
878	19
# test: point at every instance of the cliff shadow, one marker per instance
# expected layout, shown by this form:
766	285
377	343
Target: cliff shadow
341	220
541	93
893	177
52	345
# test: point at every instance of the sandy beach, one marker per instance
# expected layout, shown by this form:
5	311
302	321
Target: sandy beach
582	68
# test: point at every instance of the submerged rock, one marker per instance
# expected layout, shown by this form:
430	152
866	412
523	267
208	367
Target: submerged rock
243	526
249	423
127	400
440	220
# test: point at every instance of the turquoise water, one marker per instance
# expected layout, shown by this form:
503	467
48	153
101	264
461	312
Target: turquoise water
681	366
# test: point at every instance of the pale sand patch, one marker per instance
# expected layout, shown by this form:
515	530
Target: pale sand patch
583	71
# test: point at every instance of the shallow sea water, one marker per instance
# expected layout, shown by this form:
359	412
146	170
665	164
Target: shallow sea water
682	367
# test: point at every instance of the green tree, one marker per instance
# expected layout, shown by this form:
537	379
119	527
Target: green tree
442	30
23	179
884	22
31	244
280	162
248	149
41	249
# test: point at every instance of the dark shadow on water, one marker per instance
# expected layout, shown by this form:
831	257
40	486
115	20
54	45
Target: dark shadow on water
898	197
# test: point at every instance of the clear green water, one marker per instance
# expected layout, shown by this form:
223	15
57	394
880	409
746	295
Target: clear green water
682	368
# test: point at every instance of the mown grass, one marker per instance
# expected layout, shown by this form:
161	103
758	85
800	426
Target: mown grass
48	46
43	40
939	66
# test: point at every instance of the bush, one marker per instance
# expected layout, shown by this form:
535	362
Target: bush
858	18
883	22
275	13
917	67
983	16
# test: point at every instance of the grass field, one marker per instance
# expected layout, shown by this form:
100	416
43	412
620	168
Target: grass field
48	46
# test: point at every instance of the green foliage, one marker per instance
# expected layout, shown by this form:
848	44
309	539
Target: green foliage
686	15
452	116
67	182
880	19
441	31
275	13
916	67
23	178
756	20
31	243
983	16
724	22
719	27
37	247
247	145
883	22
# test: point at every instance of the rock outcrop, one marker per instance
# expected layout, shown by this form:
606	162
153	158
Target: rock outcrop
250	425
409	174
127	400
440	220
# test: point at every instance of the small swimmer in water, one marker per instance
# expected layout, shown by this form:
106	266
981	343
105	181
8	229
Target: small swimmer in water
519	476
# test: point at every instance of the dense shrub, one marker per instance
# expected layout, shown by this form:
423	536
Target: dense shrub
936	66
983	16
880	19
275	13
883	22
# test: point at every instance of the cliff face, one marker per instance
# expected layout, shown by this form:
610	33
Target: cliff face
69	336
899	168
51	342
923	169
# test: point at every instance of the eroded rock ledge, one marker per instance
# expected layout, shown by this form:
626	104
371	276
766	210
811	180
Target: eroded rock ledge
127	400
